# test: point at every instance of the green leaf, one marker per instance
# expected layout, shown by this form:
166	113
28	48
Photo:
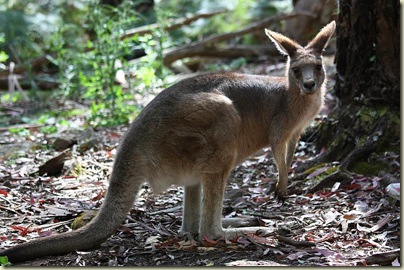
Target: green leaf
4	261
3	57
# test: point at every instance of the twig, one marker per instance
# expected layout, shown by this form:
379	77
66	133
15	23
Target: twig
28	126
13	83
55	225
172	24
166	211
8	209
189	50
293	242
384	258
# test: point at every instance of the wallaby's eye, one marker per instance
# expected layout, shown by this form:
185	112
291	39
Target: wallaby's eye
319	67
295	71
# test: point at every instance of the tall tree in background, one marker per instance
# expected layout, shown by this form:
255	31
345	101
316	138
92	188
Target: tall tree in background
364	131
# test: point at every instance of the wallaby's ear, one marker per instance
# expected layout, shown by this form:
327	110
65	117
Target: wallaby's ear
323	37
284	44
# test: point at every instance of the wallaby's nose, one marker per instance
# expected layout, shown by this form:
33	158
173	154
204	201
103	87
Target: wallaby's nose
309	85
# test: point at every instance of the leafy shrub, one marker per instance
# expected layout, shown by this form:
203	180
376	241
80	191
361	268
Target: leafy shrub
89	71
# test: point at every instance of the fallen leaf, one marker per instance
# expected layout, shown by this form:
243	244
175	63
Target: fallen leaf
328	253
297	255
99	196
151	241
317	172
395	262
23	230
258	190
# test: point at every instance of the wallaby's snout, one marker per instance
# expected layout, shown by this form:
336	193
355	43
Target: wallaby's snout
307	74
311	77
309	86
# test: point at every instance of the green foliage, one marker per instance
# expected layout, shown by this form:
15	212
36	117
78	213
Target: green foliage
20	131
3	54
89	71
4	261
83	39
25	34
234	64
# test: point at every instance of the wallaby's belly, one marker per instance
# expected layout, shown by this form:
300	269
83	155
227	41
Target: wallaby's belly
196	135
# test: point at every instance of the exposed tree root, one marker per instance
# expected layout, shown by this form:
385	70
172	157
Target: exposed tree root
384	258
329	181
342	174
321	158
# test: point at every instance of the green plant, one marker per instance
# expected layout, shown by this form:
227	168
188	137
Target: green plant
4	261
20	131
89	71
3	54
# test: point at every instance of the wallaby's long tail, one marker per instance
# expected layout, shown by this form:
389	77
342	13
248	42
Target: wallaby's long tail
119	199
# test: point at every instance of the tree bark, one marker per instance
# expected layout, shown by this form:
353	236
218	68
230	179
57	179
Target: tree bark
303	29
367	87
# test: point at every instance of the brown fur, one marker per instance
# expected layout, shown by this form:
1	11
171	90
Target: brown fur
193	134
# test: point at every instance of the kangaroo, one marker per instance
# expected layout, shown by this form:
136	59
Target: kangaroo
193	134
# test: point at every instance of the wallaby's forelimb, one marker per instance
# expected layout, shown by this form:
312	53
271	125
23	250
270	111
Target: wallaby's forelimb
291	148
279	151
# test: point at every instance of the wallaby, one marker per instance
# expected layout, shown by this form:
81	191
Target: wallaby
193	134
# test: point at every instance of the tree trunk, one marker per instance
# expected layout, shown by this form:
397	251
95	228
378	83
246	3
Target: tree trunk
303	29
363	133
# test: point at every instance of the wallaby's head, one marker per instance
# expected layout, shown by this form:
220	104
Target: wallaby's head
305	66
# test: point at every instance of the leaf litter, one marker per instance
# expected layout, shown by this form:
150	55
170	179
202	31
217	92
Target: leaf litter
352	224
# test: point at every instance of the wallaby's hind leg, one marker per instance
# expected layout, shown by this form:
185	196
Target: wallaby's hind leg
191	209
212	205
211	214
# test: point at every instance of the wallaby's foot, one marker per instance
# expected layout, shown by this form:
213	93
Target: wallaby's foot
211	235
239	222
230	223
232	233
188	227
280	194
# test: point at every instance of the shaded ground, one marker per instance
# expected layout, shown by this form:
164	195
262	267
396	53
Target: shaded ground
344	225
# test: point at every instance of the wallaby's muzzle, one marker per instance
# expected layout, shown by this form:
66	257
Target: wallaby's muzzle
309	87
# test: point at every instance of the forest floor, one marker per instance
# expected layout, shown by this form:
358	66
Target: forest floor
352	224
